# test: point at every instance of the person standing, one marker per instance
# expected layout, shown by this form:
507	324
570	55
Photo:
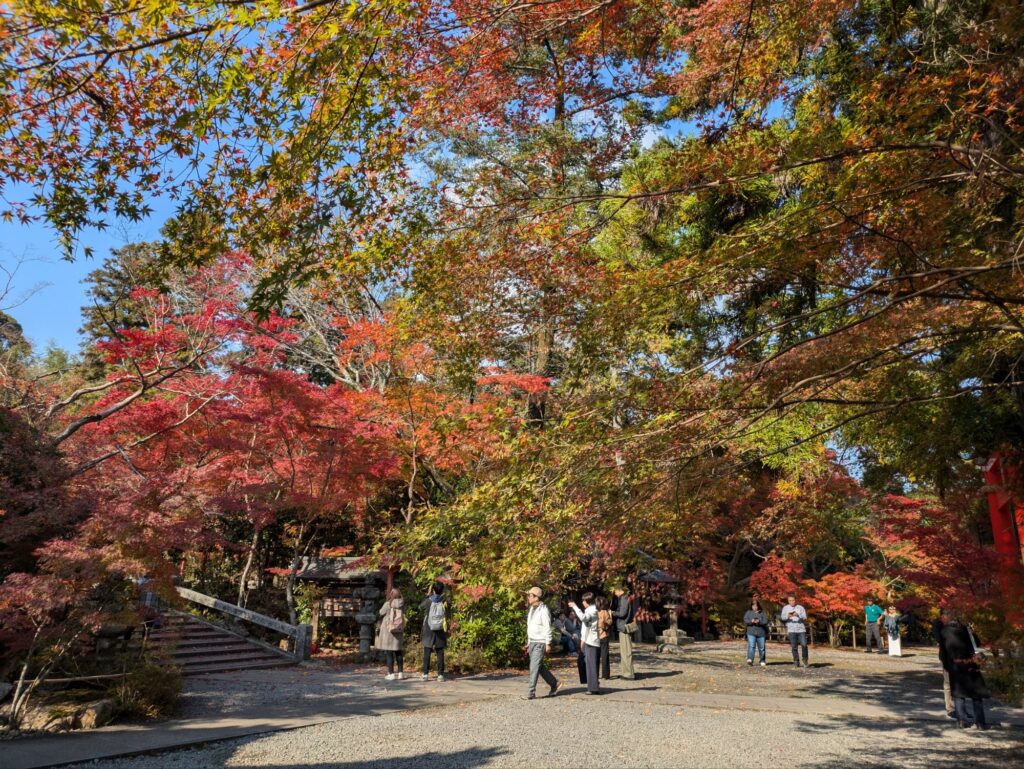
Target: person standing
538	642
793	617
947	692
965	677
891	622
604	633
392	633
435	629
872	613
624	612
589	639
757	630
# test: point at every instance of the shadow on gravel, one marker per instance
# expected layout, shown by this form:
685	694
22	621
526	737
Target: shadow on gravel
652	674
898	691
948	747
461	759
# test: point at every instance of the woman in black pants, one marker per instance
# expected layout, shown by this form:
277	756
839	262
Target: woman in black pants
590	643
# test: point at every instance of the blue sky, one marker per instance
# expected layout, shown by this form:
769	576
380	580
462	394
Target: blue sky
47	291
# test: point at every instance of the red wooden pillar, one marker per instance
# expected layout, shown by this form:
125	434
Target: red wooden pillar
1007	517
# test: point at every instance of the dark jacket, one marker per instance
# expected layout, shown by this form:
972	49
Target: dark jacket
758	630
892	624
624	612
937	627
965	679
434	639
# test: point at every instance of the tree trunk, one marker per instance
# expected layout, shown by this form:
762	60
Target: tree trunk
289	589
243	589
537	403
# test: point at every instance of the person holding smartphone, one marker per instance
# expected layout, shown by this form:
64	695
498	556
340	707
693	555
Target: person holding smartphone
757	630
589	639
793	617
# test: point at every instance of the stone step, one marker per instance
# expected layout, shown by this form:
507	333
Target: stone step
191	632
189	643
225	666
230	650
197	647
251	655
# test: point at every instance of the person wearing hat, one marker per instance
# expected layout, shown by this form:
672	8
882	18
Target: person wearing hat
538	642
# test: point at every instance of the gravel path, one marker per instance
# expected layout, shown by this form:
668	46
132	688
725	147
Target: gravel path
515	733
574	730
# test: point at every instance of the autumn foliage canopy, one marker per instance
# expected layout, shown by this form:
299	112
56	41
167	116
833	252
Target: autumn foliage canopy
547	292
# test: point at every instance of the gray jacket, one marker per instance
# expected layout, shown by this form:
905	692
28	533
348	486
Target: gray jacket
624	612
758	630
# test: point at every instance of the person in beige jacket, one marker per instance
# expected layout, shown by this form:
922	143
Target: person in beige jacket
391	633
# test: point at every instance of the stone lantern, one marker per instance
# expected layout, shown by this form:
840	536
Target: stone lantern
673	639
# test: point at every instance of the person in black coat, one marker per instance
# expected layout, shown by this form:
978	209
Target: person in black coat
435	633
624	612
965	677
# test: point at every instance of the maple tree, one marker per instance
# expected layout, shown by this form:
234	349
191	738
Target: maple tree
722	287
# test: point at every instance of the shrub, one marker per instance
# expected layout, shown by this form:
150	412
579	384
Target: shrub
1004	668
147	691
488	633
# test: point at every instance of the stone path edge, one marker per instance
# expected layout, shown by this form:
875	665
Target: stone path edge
22	753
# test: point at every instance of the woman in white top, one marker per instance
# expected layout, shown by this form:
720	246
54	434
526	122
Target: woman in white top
590	639
891	622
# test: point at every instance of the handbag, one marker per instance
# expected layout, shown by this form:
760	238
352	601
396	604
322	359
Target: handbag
631	627
396	623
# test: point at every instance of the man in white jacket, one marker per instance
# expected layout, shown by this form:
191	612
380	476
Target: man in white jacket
538	642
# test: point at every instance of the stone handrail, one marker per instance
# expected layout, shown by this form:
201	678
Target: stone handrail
302	634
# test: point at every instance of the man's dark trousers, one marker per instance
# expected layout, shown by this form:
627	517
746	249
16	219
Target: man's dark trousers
798	640
871	631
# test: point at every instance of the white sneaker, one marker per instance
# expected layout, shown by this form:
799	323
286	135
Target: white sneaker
750	662
763	664
389	677
424	677
401	676
440	678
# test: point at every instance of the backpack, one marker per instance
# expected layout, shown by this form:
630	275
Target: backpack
396	622
435	616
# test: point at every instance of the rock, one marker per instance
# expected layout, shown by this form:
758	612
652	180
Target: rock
95	714
47	720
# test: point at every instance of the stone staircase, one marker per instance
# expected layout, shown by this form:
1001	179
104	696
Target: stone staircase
199	647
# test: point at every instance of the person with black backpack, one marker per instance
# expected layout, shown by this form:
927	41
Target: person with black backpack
435	629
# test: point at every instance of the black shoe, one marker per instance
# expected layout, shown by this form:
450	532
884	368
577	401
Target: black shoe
590	692
529	696
555	688
962	725
982	727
